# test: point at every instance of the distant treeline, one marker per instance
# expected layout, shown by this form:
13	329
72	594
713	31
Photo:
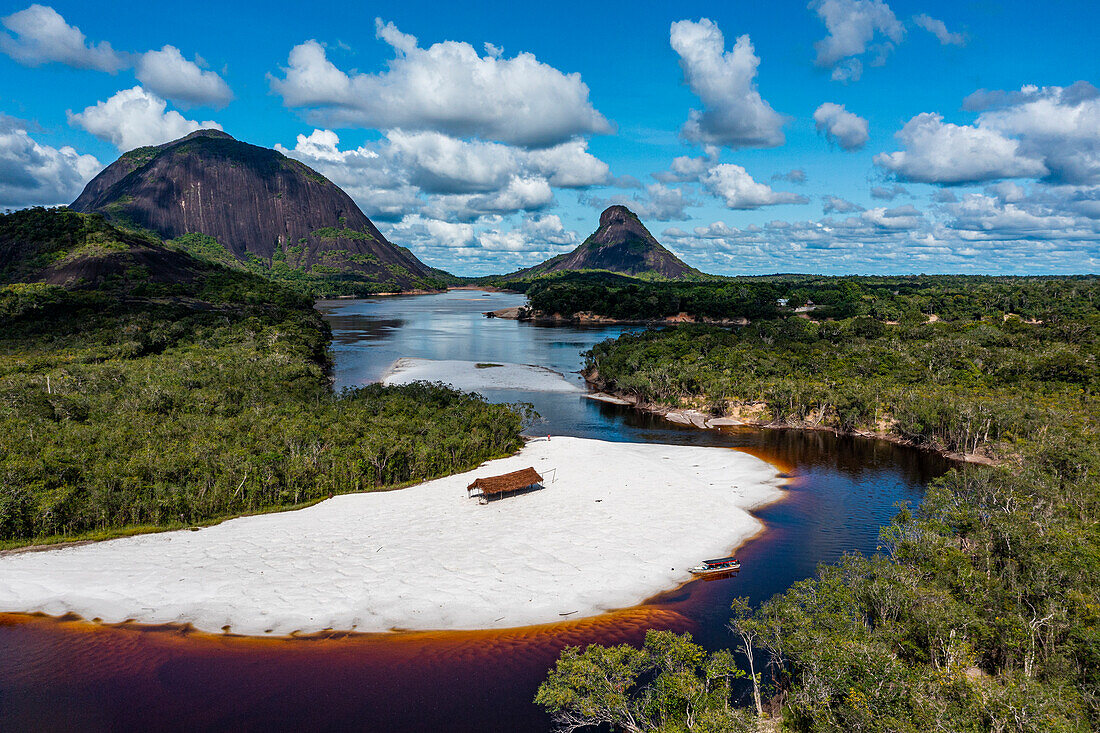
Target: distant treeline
145	403
981	612
902	299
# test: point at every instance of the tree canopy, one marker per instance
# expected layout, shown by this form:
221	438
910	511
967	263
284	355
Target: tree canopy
907	299
140	399
980	612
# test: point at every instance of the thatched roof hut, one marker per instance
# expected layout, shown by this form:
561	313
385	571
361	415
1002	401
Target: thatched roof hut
514	481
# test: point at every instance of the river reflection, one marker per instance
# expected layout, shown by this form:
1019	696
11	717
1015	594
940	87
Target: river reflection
70	675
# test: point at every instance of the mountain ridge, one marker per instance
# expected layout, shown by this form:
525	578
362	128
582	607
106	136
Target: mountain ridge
213	195
620	244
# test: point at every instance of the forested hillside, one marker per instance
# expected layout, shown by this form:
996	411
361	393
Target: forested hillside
980	613
141	388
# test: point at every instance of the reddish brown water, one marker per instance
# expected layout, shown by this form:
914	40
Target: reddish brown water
72	676
68	675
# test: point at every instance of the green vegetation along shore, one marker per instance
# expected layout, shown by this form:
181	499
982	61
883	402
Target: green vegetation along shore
959	387
141	388
980	613
911	299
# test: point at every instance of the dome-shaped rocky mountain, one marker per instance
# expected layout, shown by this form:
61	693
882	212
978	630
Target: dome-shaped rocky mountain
253	208
621	244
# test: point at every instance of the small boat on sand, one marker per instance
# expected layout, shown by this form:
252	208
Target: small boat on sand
716	567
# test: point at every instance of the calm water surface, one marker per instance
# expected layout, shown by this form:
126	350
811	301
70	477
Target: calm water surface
69	675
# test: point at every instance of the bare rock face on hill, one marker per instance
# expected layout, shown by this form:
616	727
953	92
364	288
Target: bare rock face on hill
621	244
252	207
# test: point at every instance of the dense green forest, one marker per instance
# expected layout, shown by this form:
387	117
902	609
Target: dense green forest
981	613
327	278
954	386
629	298
910	299
142	388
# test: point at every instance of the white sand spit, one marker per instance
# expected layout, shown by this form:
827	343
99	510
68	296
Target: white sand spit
610	399
621	522
474	375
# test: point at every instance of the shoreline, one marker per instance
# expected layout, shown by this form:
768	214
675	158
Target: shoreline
690	417
644	613
417	291
543	557
473	376
642	616
585	318
484	288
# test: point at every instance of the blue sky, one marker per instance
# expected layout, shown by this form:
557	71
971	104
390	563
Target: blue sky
835	136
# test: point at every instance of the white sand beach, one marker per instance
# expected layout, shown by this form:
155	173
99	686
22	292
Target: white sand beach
615	524
472	376
609	399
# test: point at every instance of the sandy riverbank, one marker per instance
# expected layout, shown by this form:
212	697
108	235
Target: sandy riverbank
473	376
616	524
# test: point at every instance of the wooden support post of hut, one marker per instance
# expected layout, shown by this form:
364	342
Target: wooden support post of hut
497	486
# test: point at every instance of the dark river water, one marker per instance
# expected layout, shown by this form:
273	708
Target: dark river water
70	675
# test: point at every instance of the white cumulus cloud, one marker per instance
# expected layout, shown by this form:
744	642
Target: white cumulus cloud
41	36
33	174
1060	125
438	163
542	234
739	190
662	203
942	152
978	217
855	27
1046	229
547	229
363	173
519	194
490	244
686	168
841	127
167	73
733	114
133	118
899	217
1052	133
460	178
447	88
569	165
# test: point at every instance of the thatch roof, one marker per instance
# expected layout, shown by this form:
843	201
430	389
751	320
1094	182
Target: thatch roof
506	482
